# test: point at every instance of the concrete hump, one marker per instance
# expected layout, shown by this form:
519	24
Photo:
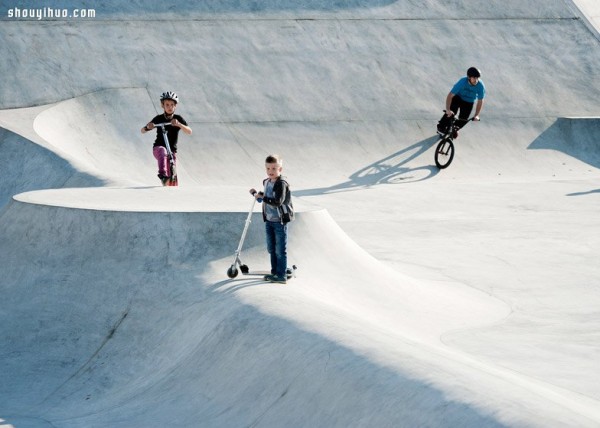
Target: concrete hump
119	310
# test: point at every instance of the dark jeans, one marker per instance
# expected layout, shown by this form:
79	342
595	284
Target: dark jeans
277	247
457	104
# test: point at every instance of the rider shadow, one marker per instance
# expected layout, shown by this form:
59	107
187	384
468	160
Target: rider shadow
390	170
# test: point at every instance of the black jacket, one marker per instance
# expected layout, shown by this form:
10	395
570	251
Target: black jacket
282	199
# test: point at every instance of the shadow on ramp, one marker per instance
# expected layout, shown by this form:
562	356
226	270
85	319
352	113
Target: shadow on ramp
32	167
576	137
120	319
392	169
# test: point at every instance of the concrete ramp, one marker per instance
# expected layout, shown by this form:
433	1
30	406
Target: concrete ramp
129	316
33	167
98	136
577	137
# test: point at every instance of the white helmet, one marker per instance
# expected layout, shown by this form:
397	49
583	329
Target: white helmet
169	96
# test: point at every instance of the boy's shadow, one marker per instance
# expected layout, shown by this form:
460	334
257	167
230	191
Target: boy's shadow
389	170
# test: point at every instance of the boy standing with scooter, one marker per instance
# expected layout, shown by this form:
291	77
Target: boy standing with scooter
168	101
277	212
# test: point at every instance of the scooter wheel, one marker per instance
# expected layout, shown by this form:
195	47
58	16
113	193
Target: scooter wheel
232	272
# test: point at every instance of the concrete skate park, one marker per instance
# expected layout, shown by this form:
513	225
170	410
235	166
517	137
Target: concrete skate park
464	297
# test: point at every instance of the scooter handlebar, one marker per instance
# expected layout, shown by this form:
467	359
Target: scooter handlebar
158	125
253	192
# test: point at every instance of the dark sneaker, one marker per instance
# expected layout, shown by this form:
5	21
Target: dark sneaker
455	134
163	179
277	279
268	277
443	130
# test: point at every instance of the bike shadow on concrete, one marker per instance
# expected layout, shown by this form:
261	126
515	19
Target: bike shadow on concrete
392	169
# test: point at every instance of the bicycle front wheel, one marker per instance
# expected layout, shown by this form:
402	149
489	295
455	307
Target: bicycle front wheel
444	153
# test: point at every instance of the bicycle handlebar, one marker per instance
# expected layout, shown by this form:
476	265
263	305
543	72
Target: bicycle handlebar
466	120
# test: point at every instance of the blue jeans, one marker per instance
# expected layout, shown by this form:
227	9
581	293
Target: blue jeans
277	247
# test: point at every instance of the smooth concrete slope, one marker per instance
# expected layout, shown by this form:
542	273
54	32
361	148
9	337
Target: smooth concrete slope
576	137
90	134
388	63
590	10
136	324
371	82
32	168
126	319
172	341
428	9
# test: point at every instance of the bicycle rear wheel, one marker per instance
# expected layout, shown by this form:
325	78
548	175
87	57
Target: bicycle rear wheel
444	153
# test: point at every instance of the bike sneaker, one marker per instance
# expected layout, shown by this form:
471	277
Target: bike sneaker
277	279
269	277
455	134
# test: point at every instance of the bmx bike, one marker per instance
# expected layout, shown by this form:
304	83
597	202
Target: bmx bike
444	151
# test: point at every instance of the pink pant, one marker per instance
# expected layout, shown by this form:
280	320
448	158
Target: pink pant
160	154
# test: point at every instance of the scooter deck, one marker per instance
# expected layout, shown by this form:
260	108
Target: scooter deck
290	272
264	273
257	272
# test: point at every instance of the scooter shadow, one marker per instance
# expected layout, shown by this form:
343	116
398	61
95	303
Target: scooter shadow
229	286
390	170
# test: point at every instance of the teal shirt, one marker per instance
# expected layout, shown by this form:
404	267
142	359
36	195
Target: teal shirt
468	92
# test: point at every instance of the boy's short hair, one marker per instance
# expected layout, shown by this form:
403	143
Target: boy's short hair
274	159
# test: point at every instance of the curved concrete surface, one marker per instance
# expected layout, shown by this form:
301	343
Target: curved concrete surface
465	297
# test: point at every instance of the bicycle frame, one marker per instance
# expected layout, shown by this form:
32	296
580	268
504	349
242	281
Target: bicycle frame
444	151
456	124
